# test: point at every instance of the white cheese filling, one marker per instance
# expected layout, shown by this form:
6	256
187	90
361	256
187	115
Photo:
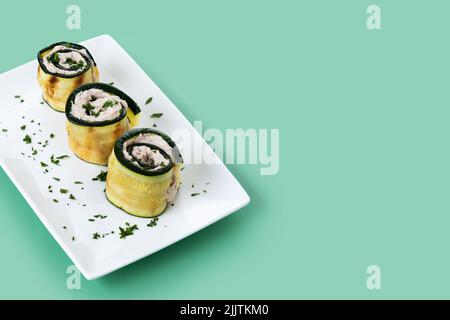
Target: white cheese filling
97	105
66	60
142	152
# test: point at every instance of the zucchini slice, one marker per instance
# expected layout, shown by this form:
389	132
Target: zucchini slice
144	172
97	115
63	67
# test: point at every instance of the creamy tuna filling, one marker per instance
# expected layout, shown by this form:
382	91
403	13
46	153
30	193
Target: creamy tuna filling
97	105
173	189
143	153
65	63
147	158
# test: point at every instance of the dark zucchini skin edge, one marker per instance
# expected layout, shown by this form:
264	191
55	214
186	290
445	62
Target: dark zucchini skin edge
104	87
118	151
134	215
48	104
69	45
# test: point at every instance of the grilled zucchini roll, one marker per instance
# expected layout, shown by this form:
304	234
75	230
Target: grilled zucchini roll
144	172
63	67
97	115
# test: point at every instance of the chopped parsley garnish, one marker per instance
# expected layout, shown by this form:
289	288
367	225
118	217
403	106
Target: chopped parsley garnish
101	176
111	83
98	236
156	115
70	61
53	160
55	201
109	104
63	191
54	58
4	130
23	127
52	135
74	64
44	165
195	194
88	108
91	220
72	197
27	139
127	230
149	100
78	182
19	97
56	179
153	222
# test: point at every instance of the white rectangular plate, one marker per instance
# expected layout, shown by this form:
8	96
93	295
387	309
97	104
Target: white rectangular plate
69	219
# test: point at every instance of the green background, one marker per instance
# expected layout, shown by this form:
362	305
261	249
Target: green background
363	118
